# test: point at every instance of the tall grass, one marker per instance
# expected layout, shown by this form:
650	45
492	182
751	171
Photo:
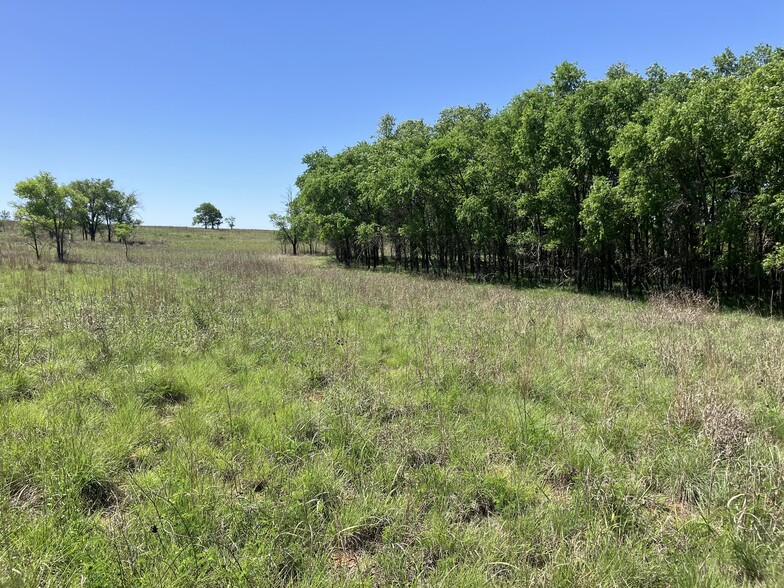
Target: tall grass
212	413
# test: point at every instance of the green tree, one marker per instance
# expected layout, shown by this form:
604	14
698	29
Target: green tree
208	215
289	225
97	196
118	207
125	232
398	188
331	188
50	206
287	230
652	182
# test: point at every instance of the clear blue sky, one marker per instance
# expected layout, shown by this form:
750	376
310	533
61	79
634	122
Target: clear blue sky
186	102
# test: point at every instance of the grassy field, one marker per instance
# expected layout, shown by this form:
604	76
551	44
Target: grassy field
212	413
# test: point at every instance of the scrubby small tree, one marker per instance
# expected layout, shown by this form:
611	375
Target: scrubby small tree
290	226
125	232
231	221
207	214
32	229
287	230
5	216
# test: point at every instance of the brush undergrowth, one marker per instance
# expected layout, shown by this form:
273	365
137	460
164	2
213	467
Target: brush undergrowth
210	413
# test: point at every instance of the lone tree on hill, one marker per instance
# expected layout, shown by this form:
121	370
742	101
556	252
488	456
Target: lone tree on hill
208	215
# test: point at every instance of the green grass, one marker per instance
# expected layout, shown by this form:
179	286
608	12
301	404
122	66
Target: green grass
211	413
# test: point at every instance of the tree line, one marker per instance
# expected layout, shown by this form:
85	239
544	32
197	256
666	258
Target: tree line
47	210
628	183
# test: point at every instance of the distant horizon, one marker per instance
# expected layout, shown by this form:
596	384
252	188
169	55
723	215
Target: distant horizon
223	228
205	229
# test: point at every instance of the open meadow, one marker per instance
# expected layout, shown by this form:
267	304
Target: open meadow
210	412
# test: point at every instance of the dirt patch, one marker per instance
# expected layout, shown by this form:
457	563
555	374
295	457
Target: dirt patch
477	507
562	478
26	497
100	495
318	380
416	458
346	560
363	537
257	486
316	397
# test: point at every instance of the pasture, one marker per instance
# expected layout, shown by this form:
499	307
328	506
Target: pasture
213	413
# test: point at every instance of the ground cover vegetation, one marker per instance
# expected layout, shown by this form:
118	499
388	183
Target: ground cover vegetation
208	412
629	183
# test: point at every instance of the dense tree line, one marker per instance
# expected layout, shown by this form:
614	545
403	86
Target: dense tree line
628	183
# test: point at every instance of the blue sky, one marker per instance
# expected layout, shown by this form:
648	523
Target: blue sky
186	102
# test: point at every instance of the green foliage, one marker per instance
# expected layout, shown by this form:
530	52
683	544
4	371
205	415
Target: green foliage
774	261
103	206
567	78
626	184
125	232
207	214
297	225
604	215
32	228
45	205
47	209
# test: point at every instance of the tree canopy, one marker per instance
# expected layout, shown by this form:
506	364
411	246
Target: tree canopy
102	206
47	205
627	183
208	215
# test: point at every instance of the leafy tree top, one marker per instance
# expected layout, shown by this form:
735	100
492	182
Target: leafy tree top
207	214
